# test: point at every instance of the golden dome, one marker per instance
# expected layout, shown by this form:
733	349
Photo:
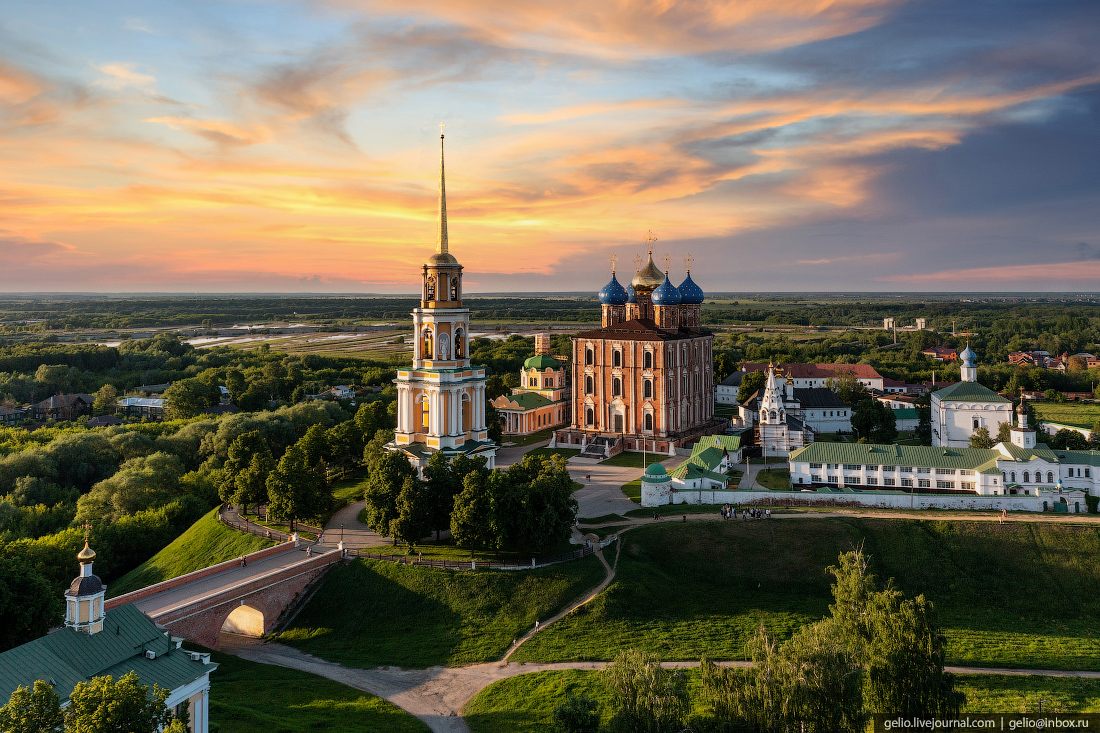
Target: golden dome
442	258
648	279
87	554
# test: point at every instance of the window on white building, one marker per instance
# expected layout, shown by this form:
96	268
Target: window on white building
923	483
945	484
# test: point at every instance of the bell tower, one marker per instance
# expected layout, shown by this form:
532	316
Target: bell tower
84	598
441	398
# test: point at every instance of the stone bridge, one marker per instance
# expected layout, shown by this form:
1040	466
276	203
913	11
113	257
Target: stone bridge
243	599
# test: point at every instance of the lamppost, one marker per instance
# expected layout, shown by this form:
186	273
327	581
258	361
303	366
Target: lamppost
341	534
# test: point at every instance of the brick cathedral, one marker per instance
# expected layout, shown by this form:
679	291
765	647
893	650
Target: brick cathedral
646	376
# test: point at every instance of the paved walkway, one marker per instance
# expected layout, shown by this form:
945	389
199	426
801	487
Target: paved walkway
603	492
345	523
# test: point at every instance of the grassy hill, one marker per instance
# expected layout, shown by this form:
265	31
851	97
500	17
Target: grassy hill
1068	413
369	613
1017	595
525	703
246	697
206	542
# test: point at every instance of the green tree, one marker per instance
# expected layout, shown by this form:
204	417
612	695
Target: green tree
473	523
295	489
241	451
346	444
492	423
412	522
28	605
543	505
314	445
848	389
723	366
105	705
650	698
578	714
251	482
106	399
33	710
188	397
981	438
1067	439
140	483
924	424
1004	432
442	483
750	383
236	384
384	484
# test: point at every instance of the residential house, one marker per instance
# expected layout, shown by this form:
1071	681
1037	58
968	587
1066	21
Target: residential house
63	407
151	408
941	353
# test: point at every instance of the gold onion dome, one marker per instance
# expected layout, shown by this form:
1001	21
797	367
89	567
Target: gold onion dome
87	554
649	278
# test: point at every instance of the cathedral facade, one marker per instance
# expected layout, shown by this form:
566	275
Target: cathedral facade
441	398
644	379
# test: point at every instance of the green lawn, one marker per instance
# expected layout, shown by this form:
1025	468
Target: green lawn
635	460
776	479
525	703
206	542
1019	595
369	613
539	437
350	490
602	519
676	511
246	697
445	549
1080	414
633	490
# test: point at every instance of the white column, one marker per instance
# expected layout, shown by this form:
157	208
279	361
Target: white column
433	414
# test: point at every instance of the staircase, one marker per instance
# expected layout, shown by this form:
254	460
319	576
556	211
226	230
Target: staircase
598	448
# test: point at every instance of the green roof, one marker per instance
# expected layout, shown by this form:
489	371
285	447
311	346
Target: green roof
687	471
527	401
656	469
906	413
708	458
731	443
67	656
968	392
541	362
895	455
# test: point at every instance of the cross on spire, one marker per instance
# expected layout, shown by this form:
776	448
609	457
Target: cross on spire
637	263
688	260
87	531
441	225
441	124
613	259
649	240
666	259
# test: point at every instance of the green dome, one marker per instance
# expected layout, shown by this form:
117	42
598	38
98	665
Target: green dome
542	361
656	470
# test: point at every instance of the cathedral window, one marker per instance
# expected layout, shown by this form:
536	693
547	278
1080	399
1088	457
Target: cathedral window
588	356
425	415
589	416
773	416
617	358
1050	477
430	289
458	343
426	344
454	288
648	423
1013	477
647	360
616	387
588	384
976	424
647	389
1027	477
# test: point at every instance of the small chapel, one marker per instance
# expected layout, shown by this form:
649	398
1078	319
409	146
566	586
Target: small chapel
961	409
441	398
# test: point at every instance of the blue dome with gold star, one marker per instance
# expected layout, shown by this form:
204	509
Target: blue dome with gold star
666	294
690	293
613	293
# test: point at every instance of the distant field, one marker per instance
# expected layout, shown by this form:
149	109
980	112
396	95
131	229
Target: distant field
1019	595
525	703
373	344
1079	414
206	542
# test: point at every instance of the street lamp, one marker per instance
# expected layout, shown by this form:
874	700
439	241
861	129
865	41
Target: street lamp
341	534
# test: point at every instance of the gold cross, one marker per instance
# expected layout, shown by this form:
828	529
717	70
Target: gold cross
688	260
666	259
87	531
650	239
441	124
637	263
613	259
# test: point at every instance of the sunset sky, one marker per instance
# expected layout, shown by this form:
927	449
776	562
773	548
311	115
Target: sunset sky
786	144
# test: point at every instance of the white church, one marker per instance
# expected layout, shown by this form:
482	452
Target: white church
960	410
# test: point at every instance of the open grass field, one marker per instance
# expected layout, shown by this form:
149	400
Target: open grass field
776	479
206	542
635	460
1081	414
246	697
539	437
350	490
1019	595
369	613
525	703
565	453
633	490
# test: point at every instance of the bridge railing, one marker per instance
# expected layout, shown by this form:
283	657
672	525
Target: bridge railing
480	564
260	530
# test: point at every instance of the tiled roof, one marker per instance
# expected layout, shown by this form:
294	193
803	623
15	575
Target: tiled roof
523	401
733	380
968	392
818	371
731	443
895	455
68	656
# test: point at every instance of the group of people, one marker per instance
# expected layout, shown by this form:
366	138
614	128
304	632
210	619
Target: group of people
751	512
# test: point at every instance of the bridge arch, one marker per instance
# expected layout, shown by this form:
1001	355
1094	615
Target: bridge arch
245	620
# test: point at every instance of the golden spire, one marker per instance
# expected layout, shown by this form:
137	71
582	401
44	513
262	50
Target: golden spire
441	240
613	258
87	554
666	259
688	260
650	239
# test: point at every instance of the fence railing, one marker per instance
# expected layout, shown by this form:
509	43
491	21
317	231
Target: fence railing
480	564
261	531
